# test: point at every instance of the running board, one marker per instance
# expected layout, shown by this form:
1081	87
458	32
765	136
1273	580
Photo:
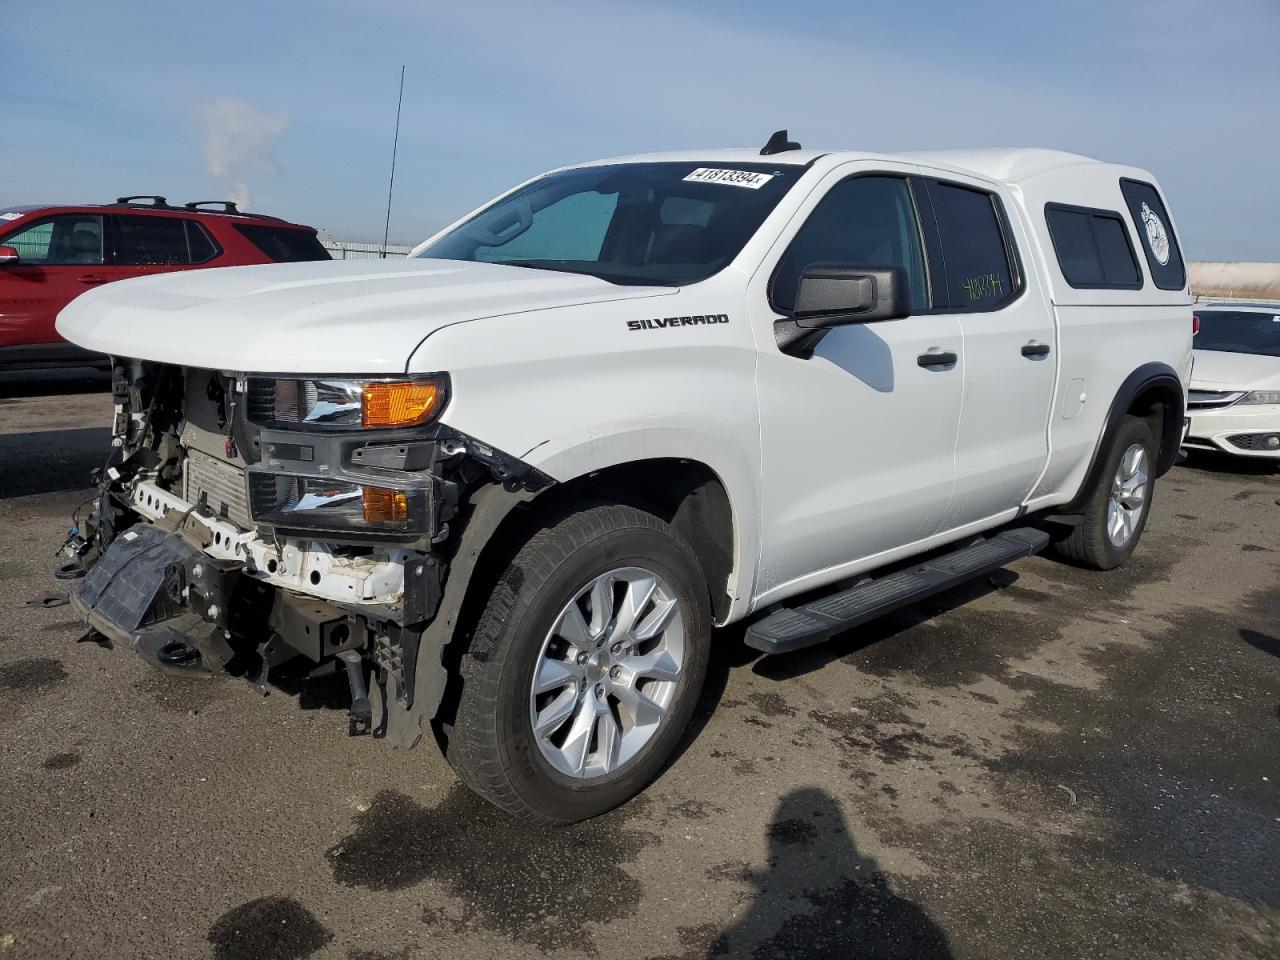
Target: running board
793	628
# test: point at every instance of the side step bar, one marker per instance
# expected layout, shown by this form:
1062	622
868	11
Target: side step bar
793	628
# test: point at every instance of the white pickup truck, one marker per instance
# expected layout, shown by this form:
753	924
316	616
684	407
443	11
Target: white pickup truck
512	482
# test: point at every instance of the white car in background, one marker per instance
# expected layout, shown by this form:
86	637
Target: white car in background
1234	403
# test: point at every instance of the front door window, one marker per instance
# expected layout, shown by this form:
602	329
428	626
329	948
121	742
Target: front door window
73	238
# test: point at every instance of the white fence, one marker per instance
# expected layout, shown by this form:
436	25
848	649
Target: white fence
345	250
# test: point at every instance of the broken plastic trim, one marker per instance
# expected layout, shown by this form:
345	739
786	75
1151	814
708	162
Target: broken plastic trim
512	472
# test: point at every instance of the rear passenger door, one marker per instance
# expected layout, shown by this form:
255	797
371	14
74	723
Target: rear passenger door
1009	343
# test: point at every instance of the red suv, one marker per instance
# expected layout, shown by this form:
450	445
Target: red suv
50	255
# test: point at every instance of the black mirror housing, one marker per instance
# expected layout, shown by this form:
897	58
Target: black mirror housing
834	294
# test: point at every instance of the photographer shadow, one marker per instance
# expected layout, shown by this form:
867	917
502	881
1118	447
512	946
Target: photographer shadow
820	897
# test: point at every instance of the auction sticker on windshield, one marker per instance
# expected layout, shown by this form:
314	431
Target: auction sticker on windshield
735	178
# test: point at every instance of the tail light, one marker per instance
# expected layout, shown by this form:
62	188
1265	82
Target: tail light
1195	325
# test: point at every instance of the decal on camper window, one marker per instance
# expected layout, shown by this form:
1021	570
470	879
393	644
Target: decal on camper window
1157	238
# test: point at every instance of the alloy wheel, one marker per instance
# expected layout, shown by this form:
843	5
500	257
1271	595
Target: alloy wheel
1128	495
607	672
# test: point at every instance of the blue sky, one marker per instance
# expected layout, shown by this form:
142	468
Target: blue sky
294	102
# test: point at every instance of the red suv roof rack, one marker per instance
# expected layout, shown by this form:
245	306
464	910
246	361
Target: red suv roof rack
228	206
229	209
159	202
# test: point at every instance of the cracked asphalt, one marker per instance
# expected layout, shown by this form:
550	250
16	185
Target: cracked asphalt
1045	763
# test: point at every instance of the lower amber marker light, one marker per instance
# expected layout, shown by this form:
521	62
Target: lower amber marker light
383	505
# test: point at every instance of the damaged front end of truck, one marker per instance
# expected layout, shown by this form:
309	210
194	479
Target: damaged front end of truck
247	520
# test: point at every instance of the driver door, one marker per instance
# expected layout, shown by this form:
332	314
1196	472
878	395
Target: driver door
60	257
858	440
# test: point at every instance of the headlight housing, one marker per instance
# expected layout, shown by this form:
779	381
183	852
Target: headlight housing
334	403
1261	396
323	503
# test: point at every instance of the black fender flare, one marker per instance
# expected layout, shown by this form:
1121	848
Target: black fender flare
1150	377
490	505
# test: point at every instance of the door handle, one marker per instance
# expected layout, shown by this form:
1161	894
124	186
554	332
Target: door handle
946	359
92	278
1035	349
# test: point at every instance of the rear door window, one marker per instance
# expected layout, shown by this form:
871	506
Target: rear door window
68	239
1093	247
1158	242
284	244
151	241
199	245
976	249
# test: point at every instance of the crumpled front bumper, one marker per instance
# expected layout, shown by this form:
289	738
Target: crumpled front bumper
154	592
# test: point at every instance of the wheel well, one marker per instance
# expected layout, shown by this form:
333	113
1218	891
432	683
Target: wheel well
1160	405
684	493
1154	393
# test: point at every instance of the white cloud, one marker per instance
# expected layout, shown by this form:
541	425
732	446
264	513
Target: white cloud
239	143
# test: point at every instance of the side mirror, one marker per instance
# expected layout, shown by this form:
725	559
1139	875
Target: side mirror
833	294
8	255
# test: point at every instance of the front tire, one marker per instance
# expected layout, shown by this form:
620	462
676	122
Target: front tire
584	668
1116	511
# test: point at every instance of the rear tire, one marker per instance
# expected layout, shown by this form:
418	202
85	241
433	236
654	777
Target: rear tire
1116	511
559	615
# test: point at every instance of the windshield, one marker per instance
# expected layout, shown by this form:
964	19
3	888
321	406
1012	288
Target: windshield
633	223
1239	331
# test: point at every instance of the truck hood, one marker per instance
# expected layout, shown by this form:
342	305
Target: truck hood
1219	370
354	317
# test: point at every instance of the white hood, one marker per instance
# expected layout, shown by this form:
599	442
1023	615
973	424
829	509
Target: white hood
1219	370
323	317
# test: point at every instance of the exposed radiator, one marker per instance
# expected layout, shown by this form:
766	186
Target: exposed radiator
220	484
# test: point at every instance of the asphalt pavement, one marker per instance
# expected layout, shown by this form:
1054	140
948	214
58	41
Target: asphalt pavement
1045	763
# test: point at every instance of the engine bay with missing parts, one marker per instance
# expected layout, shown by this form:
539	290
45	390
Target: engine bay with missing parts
246	522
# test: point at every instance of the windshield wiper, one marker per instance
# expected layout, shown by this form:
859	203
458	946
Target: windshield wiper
563	266
533	265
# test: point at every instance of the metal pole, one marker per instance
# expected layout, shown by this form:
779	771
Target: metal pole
386	230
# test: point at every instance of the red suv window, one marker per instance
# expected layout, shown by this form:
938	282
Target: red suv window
283	244
161	241
72	238
199	243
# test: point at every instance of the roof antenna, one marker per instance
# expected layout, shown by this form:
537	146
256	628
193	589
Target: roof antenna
386	229
778	143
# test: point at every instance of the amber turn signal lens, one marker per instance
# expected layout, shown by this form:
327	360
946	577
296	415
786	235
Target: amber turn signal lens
382	505
403	403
